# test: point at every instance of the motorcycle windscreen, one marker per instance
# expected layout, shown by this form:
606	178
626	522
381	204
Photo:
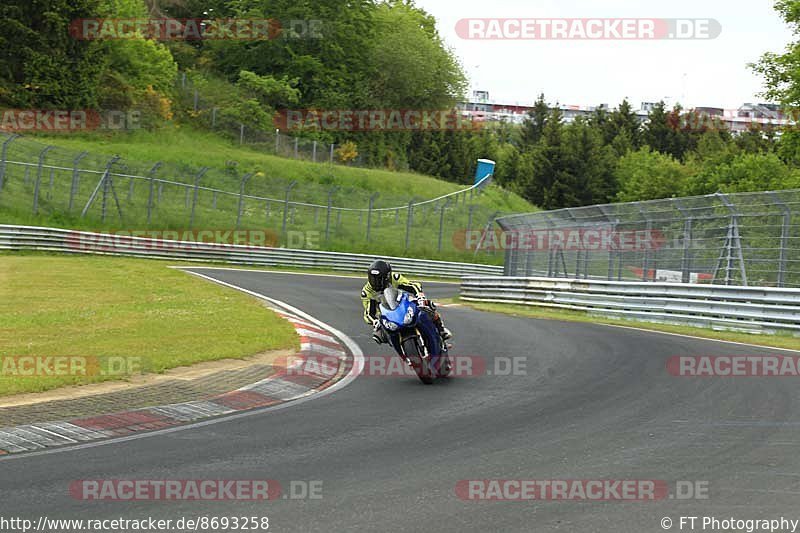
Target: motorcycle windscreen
390	297
398	313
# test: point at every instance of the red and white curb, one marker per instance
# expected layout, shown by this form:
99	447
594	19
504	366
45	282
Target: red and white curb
318	342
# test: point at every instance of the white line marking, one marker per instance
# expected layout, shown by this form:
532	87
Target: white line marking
358	366
352	276
314	335
762	346
57	435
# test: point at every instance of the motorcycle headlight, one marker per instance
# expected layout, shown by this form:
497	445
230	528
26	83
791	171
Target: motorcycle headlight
409	316
391	326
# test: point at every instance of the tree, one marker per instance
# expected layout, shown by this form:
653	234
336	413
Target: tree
533	126
410	66
749	172
649	175
657	133
41	64
623	121
782	71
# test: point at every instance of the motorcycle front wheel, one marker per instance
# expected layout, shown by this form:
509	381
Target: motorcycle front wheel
420	364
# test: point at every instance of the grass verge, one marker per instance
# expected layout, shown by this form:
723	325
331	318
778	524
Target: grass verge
122	314
779	340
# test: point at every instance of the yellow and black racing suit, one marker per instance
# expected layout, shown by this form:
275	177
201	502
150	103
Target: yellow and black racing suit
370	297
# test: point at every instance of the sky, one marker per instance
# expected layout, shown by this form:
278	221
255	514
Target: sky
708	72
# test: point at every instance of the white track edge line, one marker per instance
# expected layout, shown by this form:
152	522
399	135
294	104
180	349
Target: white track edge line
358	365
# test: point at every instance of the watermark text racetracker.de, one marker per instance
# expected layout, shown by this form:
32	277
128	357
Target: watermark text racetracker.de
176	490
194	29
37	366
183	240
729	366
68	120
625	29
567	239
392	366
638	490
366	120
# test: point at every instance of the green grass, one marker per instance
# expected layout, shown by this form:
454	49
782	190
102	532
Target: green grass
778	340
183	145
125	308
184	151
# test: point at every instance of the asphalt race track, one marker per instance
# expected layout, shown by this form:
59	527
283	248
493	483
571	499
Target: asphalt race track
594	402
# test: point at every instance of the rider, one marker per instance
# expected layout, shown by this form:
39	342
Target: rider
379	277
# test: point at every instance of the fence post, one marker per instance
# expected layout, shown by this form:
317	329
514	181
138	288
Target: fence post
441	222
409	217
52	183
296	141
194	196
286	205
73	188
152	175
686	269
489	223
787	222
733	240
369	213
331	192
245	178
469	217
42	155
314	152
331	156
3	158
196	96
785	229
241	133
213	117
277	141
105	182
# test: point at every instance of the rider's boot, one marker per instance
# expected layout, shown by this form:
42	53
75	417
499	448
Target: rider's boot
443	331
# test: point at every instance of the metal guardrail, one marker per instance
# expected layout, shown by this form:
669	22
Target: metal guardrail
18	238
759	309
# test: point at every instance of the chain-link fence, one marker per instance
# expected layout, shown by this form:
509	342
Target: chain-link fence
731	239
45	184
208	111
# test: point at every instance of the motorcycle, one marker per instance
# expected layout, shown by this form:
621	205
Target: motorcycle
413	335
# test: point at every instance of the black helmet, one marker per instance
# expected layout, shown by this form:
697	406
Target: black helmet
378	275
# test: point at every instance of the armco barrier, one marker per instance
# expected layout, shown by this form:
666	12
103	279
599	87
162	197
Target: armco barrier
72	241
762	309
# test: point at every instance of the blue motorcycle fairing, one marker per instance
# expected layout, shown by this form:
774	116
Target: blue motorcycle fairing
421	321
398	314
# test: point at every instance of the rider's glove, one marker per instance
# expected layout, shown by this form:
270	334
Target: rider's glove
377	334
